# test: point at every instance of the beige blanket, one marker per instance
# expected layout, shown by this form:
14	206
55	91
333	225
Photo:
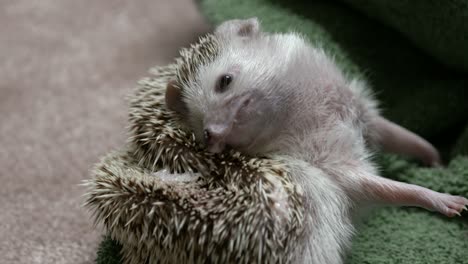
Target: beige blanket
65	67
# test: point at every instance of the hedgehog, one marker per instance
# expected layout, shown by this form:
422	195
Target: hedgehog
182	191
275	95
166	199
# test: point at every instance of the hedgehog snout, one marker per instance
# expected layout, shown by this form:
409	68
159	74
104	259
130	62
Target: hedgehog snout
214	137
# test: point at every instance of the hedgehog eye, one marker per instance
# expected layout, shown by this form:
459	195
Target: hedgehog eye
223	83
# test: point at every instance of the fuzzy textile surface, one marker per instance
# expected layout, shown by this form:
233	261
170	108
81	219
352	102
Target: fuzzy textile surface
438	27
416	90
65	69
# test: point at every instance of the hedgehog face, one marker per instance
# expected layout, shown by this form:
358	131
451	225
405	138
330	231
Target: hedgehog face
241	97
230	100
229	103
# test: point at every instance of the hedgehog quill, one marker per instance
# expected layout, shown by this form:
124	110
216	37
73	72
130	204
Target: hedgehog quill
277	95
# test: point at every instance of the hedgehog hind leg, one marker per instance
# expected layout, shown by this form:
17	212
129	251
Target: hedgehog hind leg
397	139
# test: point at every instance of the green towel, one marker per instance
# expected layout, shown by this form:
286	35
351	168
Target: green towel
438	27
404	61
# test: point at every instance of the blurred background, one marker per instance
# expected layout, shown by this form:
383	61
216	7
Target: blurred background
65	69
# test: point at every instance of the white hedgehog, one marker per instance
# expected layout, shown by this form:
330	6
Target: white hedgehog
277	95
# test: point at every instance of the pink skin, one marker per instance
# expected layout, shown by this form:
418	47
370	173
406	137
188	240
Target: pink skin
238	122
396	139
403	194
215	137
218	132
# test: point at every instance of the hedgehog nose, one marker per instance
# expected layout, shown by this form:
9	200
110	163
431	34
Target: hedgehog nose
214	136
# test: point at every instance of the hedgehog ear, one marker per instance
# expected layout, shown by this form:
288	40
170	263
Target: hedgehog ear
173	98
246	28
